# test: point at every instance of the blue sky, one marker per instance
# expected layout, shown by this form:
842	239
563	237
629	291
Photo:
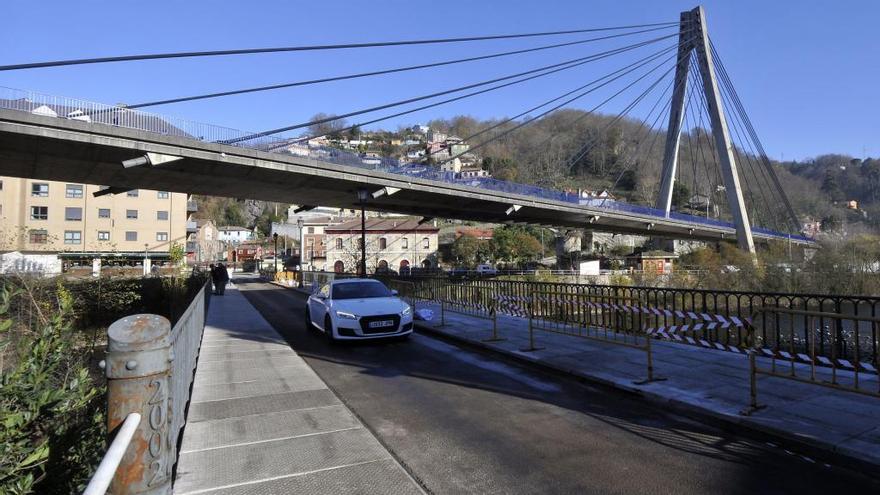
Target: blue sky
806	70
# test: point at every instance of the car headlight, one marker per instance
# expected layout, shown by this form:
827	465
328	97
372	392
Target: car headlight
346	316
406	311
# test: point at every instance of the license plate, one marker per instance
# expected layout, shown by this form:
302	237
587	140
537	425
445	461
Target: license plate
382	324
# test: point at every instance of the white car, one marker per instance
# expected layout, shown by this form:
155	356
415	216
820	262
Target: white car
356	309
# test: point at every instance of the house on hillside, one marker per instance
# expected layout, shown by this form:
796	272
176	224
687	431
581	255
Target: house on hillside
655	262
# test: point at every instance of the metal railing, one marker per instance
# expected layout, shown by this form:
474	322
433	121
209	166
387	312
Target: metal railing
119	116
811	347
100	481
611	320
710	318
150	368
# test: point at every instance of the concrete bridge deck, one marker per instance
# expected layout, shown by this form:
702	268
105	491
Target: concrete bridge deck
261	421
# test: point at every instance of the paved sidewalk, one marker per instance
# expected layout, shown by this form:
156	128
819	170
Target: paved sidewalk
261	421
708	383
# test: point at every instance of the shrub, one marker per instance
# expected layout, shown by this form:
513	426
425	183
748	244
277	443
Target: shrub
52	419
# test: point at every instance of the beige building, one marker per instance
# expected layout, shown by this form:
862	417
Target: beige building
397	244
39	216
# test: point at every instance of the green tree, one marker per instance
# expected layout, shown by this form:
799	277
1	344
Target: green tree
514	244
466	250
681	194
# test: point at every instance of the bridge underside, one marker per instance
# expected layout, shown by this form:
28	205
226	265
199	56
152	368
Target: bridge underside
48	148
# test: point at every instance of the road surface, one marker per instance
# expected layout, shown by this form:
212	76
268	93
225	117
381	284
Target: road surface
462	421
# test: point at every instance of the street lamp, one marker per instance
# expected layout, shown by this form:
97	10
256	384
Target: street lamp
363	194
275	258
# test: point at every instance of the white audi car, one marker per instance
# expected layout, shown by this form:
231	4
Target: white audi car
357	308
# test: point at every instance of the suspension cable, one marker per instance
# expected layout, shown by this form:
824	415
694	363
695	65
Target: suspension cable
567	64
250	51
380	72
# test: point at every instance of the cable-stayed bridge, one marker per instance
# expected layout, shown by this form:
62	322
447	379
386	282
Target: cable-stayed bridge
670	85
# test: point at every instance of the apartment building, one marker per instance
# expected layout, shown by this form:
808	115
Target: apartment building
396	244
39	217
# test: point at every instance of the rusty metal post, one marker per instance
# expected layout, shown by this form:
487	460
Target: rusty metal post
138	369
493	309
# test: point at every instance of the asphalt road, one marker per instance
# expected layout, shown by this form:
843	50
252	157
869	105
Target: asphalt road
463	422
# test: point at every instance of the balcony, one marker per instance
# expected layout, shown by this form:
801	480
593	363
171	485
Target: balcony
191	227
192	206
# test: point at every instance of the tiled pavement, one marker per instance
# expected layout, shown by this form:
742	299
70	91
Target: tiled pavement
261	421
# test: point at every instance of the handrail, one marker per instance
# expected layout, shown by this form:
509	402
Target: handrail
104	474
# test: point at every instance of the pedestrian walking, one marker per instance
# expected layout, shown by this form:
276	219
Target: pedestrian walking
212	271
222	278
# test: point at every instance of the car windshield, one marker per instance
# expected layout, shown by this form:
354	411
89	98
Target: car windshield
359	290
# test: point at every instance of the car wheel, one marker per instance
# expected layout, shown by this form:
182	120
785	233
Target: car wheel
328	329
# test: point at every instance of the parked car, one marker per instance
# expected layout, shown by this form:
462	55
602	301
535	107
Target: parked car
358	308
485	270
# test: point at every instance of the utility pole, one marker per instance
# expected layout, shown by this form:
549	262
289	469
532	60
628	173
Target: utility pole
694	39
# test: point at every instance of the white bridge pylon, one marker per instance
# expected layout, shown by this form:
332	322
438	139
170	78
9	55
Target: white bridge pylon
694	38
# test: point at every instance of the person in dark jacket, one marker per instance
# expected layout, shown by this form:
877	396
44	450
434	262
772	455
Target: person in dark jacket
222	278
212	272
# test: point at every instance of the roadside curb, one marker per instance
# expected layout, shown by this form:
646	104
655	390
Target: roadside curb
737	424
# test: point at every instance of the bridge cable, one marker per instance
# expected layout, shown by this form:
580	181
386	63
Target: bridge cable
468	95
378	72
581	152
626	70
704	110
766	160
567	63
650	131
748	162
250	51
550	138
696	114
526	122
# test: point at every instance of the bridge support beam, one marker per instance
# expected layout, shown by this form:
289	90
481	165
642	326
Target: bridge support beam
694	37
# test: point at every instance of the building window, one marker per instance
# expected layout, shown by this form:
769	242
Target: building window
131	236
161	236
162	194
161	215
1	185
310	242
103	235
40	190
72	237
39	212
311	230
132	194
426	243
131	214
383	243
404	243
38	236
73	191
103	212
338	243
73	214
